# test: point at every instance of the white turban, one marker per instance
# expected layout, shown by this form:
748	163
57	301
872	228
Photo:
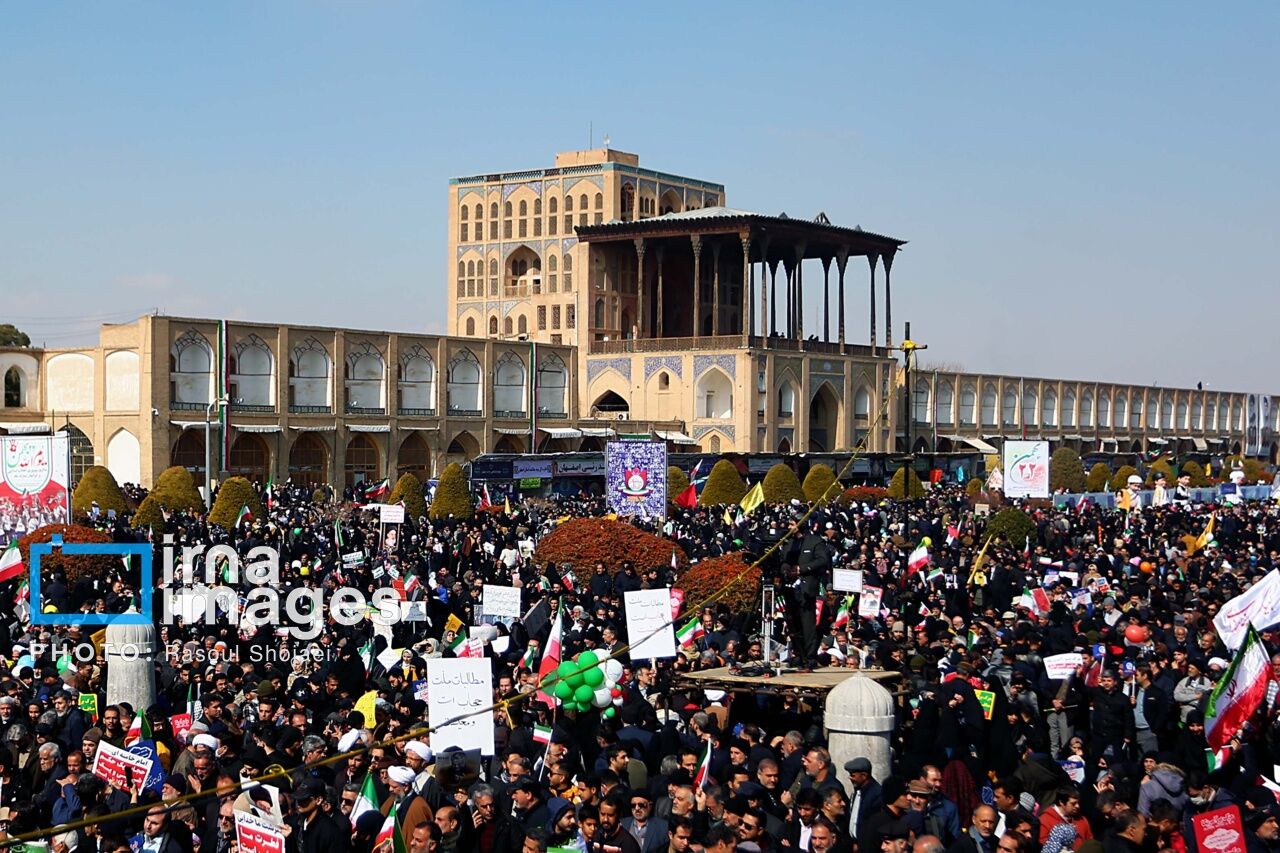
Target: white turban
419	749
401	775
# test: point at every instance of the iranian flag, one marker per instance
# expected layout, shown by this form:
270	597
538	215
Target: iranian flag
11	565
953	533
702	778
550	659
245	515
689	634
139	729
271	492
366	800
842	612
528	659
378	490
567	581
465	647
918	560
688	499
542	734
485	502
390	839
1239	693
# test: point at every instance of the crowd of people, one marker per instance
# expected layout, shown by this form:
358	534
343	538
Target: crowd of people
1112	756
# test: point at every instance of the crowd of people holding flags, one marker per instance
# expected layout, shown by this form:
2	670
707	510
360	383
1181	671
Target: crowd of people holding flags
1106	683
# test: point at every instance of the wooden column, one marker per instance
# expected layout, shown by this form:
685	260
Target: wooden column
826	299
800	292
697	284
642	309
715	288
841	260
766	295
888	305
658	325
872	259
773	297
748	288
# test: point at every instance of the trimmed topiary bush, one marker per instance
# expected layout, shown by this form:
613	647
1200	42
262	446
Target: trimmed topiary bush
1121	478
724	485
677	482
1195	471
1013	526
905	485
98	485
176	490
973	488
1099	476
409	489
148	516
452	496
1161	466
1066	471
781	485
820	484
579	543
706	576
73	567
234	494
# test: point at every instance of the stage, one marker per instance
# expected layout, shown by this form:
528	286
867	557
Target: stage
816	683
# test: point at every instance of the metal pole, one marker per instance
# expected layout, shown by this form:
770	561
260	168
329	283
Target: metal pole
208	461
911	402
533	396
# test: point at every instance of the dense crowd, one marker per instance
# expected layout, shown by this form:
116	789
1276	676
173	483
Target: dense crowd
1111	757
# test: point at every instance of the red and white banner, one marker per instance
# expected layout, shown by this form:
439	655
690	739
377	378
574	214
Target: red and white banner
34	483
181	724
120	768
1258	606
256	835
1220	831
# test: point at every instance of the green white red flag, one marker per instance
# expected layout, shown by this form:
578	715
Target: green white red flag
11	565
702	778
1239	694
366	800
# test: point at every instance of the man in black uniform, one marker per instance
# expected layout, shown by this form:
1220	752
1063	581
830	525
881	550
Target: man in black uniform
811	555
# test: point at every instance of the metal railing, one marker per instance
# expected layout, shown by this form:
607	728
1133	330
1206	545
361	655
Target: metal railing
722	342
553	416
416	413
365	410
176	406
253	407
310	410
455	412
510	413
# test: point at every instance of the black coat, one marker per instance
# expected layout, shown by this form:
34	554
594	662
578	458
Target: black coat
322	835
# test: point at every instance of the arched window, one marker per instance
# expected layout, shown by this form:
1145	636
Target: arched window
568	203
552	387
862	403
1104	410
921	397
553	206
599	314
479	216
989	405
524	208
506	325
582	202
713	393
1086	409
1049	408
553	276
1166	412
599	201
787	401
1030	409
522	325
945	400
493	210
568	273
1197	414
506	209
508	386
493	325
968	405
464	213
1211	415
192	379
464	383
1180	420
1068	408
1135	412
537	207
664	381
1121	411
1009	407
14	389
471	327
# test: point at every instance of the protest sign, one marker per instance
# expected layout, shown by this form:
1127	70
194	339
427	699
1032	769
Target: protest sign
846	580
869	602
501	601
987	700
256	835
1220	831
120	767
459	689
1058	667
649	623
391	514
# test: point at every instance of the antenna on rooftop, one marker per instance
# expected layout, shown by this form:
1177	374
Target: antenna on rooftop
591	135
606	140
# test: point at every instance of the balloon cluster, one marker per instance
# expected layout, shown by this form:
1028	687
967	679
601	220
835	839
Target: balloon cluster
587	682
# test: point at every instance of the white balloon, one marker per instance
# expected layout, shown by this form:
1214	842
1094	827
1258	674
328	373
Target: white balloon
612	671
618	702
602	698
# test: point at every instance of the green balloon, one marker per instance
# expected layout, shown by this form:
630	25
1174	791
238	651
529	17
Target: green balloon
586	659
594	677
609	712
583	694
563	691
565	669
576	680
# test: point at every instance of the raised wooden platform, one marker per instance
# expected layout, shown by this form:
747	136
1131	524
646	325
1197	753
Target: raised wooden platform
815	683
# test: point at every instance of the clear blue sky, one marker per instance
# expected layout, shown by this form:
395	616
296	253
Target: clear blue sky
1091	195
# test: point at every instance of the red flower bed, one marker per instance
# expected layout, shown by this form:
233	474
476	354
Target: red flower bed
865	494
707	576
73	567
580	543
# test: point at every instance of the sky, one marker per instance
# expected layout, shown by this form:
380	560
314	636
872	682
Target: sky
1085	195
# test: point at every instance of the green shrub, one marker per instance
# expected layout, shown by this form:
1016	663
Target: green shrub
1013	526
1121	478
234	494
149	515
905	485
820	484
1066	471
176	490
1099	476
452	496
1161	466
99	486
724	485
677	482
409	489
1195	471
973	488
781	485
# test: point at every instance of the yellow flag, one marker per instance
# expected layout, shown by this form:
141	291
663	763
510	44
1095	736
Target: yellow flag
99	639
752	499
506	506
1206	537
728	517
977	563
1124	499
365	706
453	623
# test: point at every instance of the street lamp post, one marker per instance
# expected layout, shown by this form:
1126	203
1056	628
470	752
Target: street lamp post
208	448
